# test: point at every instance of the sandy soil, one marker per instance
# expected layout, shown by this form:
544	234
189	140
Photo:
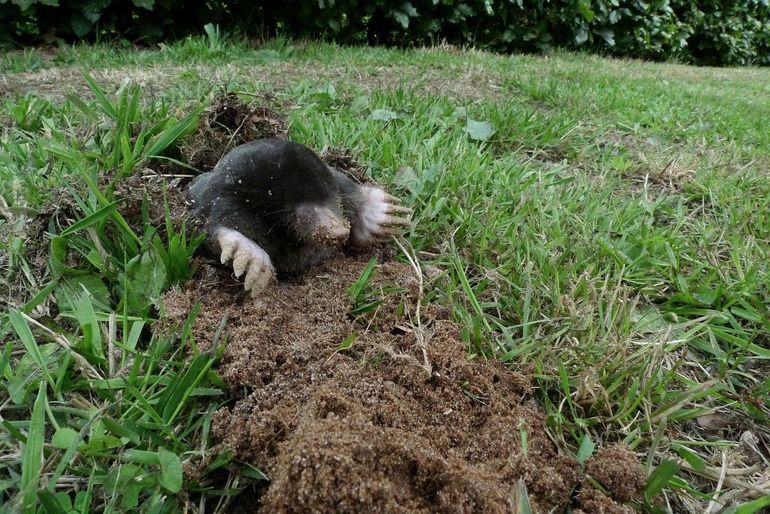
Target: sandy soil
401	421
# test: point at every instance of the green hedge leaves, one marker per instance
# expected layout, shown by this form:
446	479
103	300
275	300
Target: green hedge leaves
714	32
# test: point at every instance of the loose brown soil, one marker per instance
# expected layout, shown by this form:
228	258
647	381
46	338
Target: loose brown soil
228	123
343	160
402	421
610	468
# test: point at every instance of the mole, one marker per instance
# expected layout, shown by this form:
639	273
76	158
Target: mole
274	208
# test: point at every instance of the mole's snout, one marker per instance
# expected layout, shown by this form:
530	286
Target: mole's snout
322	225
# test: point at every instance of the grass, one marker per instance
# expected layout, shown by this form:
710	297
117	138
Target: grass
600	222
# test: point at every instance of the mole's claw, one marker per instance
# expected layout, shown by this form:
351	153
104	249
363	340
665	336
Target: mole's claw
229	248
398	208
386	232
395	221
392	199
380	217
258	277
248	257
241	262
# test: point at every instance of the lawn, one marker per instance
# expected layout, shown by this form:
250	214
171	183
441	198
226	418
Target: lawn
601	225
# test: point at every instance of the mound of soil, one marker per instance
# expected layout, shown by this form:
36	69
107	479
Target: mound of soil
230	122
378	413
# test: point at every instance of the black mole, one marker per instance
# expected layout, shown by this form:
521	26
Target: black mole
274	207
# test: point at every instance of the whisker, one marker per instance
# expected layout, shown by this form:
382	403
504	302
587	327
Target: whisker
278	211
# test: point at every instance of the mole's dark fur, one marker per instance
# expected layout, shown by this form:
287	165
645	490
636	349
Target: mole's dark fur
278	194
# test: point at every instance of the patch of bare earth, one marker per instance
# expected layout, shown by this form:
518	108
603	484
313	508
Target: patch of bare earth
402	421
610	468
455	81
58	82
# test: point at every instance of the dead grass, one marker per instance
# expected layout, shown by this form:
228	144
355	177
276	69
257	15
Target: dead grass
461	82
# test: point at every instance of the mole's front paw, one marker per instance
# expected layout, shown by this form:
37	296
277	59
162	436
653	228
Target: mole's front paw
379	218
248	257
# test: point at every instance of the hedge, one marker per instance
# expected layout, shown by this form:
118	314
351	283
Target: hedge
716	32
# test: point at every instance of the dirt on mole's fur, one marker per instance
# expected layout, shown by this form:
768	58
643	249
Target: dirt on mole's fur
401	421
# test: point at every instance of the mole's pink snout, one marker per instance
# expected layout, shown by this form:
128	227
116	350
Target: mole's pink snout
322	225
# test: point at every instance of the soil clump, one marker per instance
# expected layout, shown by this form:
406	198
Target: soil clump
230	122
375	412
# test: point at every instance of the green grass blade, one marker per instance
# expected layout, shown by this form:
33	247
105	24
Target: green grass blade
176	396
101	98
32	455
85	108
750	507
659	478
92	219
161	142
356	290
28	340
39	297
5	358
117	217
86	316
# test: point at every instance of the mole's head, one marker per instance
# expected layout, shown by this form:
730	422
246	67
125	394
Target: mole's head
292	187
305	202
319	223
288	188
